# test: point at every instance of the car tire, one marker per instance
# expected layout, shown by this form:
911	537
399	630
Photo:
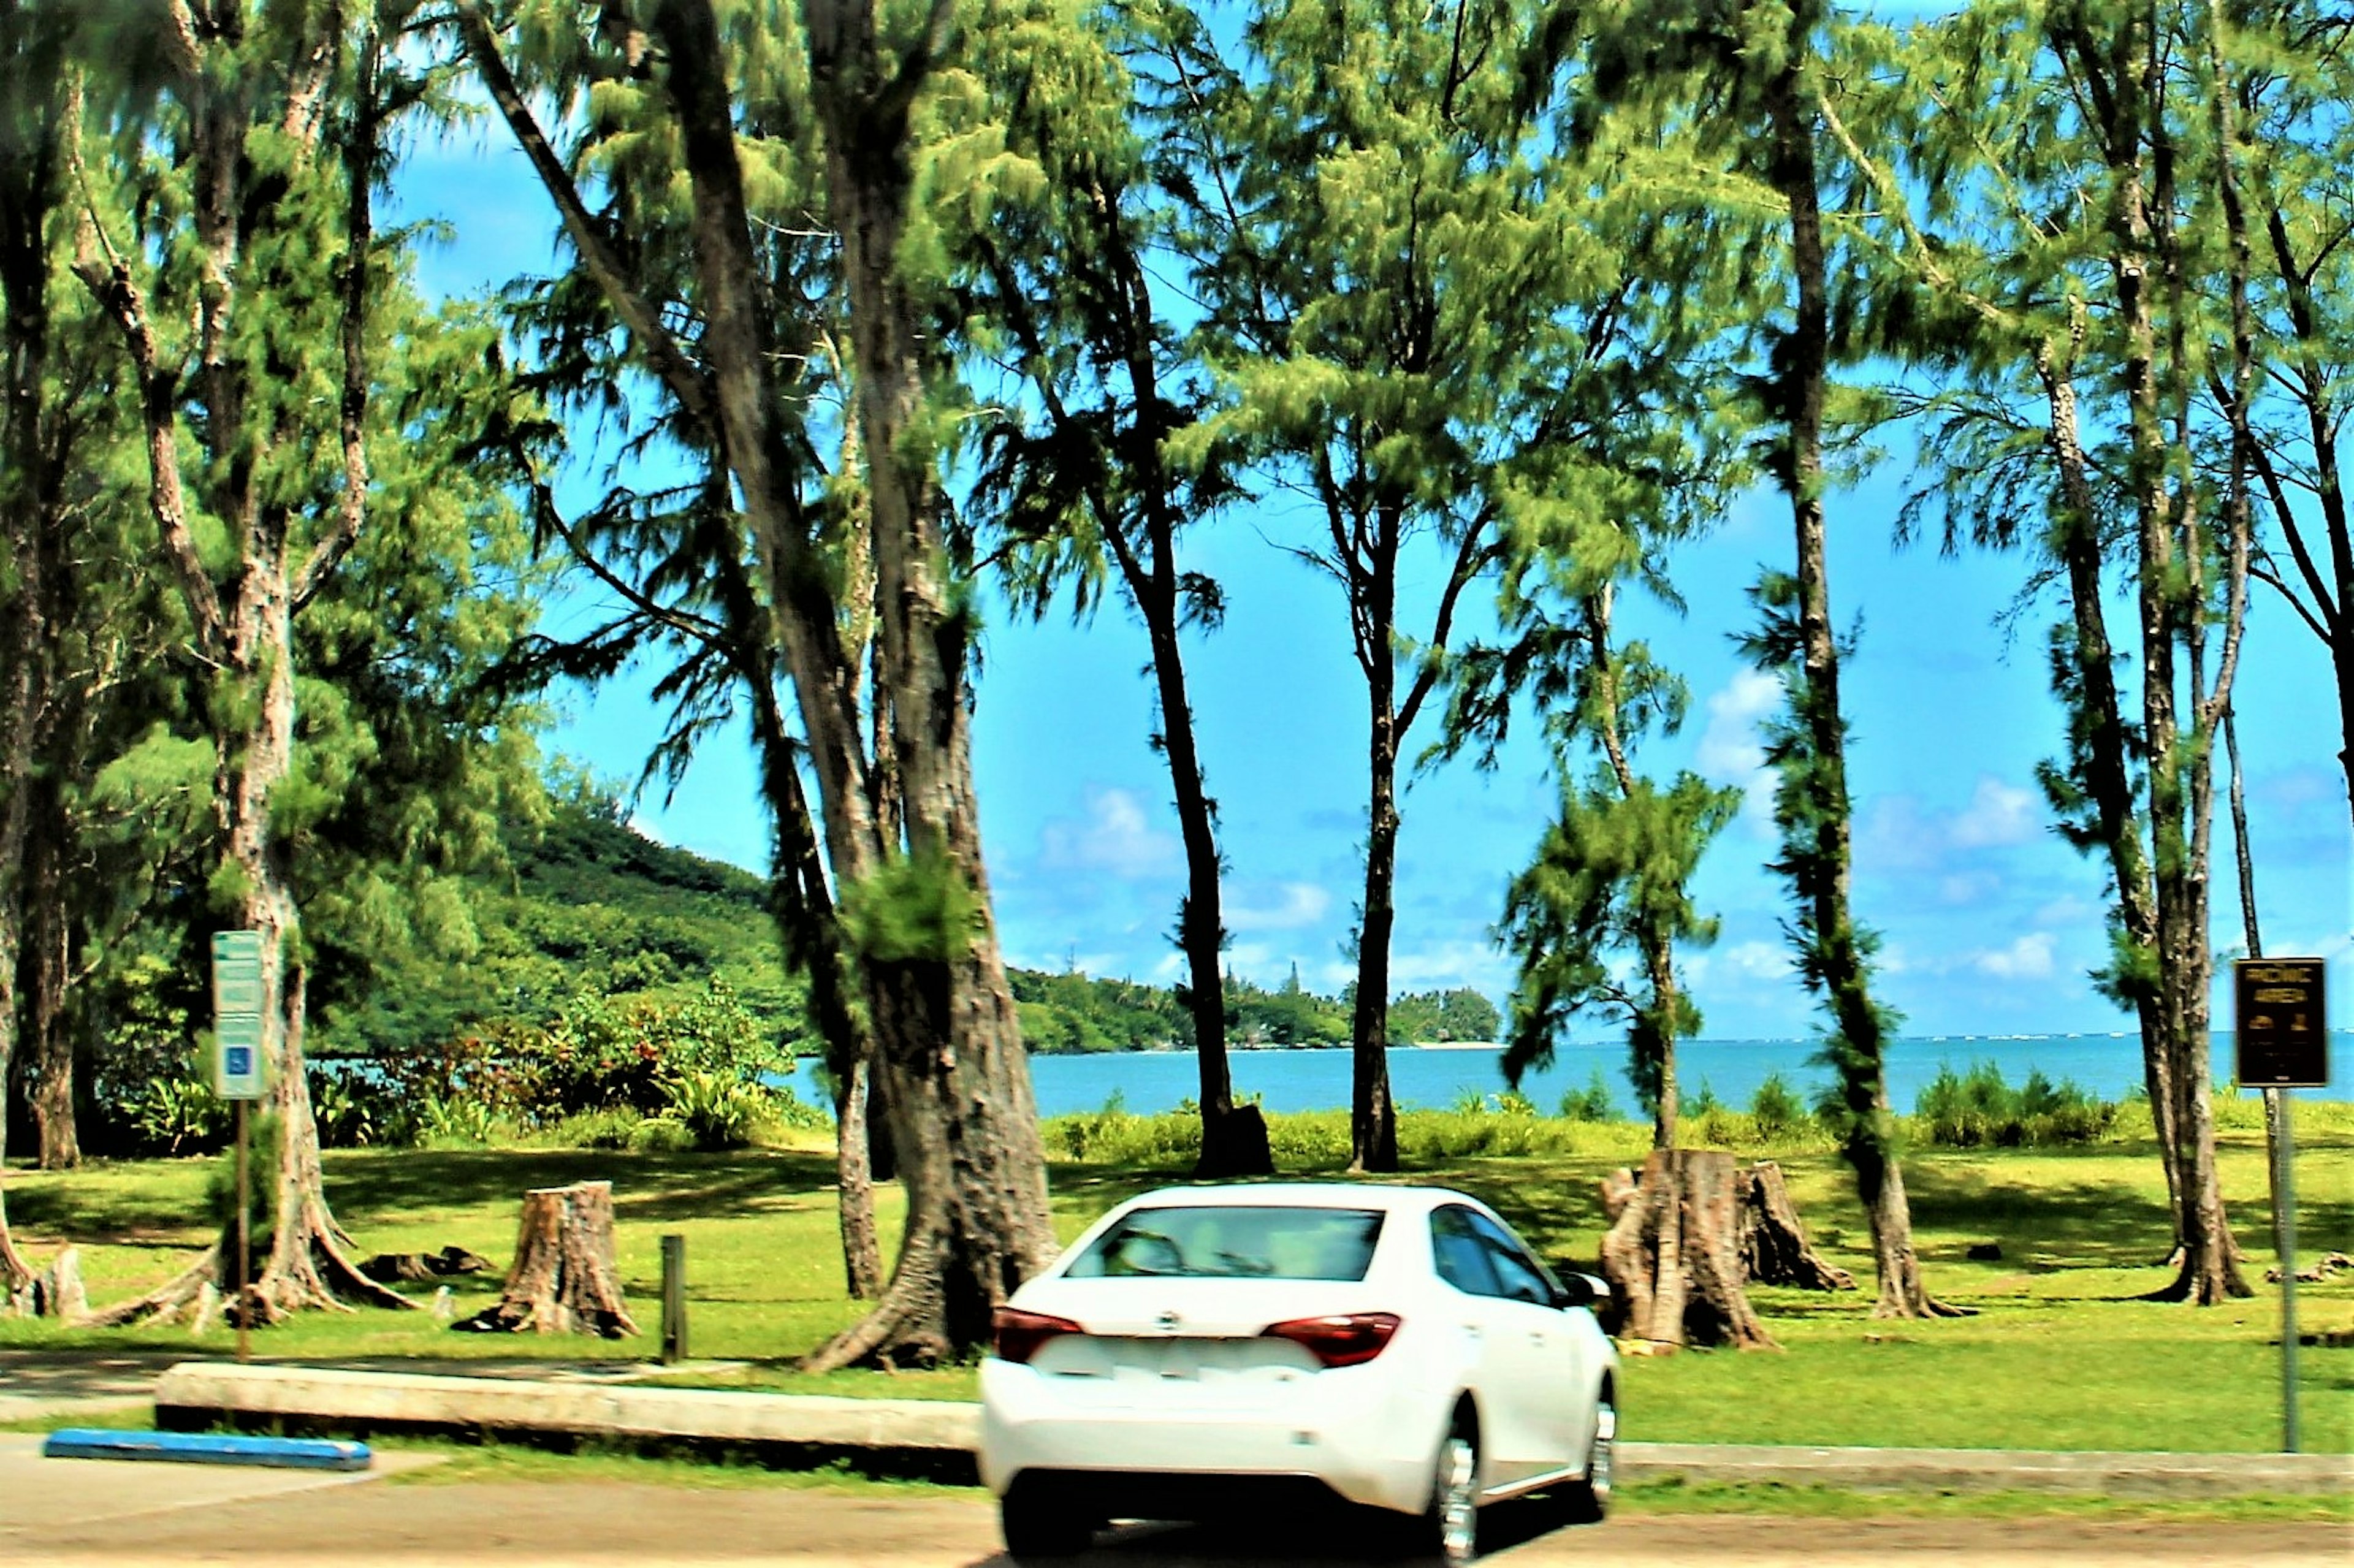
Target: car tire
1038	1525
1451	1525
1588	1497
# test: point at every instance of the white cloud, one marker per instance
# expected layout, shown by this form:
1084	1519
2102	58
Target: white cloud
1275	906
1445	965
1757	960
2028	958
1114	837
646	827
1998	813
1730	750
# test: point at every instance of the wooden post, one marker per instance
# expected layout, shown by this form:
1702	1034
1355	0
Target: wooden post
244	1244
674	1327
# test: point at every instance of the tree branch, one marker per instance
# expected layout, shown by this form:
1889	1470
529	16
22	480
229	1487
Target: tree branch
360	163
663	353
110	283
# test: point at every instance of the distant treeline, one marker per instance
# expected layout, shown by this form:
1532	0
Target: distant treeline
593	907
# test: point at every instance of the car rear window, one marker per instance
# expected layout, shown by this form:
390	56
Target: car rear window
1233	1242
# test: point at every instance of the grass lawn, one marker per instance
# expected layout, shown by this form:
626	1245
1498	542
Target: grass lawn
2058	1355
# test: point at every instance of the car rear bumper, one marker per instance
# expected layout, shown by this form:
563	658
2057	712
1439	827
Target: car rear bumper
1357	1438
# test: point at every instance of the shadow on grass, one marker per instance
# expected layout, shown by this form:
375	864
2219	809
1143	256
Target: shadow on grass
372	1187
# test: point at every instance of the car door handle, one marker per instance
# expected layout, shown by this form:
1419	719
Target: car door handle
1472	1329
1536	1338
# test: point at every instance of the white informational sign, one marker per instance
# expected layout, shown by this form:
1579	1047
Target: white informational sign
237	1015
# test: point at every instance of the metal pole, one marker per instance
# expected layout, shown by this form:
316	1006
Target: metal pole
244	1246
674	1267
2285	1209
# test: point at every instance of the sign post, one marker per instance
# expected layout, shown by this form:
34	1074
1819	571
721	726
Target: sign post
237	1077
2284	1043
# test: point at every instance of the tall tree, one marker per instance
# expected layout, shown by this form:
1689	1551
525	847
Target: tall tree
259	422
1058	261
1371	238
2065	332
1639	456
1751	76
1613	872
40	118
679	553
901	835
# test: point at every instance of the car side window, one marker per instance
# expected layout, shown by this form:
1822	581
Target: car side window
1519	1275
1461	1257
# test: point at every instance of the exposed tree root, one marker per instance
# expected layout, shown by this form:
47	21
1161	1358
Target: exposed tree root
306	1269
907	1327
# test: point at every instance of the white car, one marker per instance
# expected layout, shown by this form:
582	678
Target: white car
1397	1347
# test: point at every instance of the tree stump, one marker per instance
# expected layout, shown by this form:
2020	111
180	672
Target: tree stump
1673	1256
1774	1246
563	1280
57	1290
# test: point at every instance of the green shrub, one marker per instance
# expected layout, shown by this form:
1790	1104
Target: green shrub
717	1111
1701	1101
660	1135
1774	1110
461	1123
1977	1109
173	1115
347	1112
615	1129
1591	1103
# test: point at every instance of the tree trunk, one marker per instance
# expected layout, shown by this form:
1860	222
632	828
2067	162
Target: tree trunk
1373	1115
1652	1033
2100	745
34	111
862	1255
949	1064
563	1280
1233	1140
1821	829
2207	1272
1673	1254
42	969
1773	1244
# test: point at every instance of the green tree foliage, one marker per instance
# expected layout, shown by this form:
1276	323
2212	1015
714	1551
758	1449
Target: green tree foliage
1446	1017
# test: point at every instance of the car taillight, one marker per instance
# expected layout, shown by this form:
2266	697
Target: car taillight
1019	1334
1345	1340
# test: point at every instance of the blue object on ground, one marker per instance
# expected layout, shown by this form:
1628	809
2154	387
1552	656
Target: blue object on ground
208	1449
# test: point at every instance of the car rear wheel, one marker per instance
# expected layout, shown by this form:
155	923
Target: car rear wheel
1589	1498
1452	1524
1038	1524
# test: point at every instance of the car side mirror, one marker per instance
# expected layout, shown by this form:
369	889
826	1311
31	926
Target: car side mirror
1584	1290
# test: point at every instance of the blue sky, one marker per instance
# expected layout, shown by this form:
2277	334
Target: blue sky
1989	922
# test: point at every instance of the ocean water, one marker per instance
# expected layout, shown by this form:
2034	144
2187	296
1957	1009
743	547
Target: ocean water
1436	1077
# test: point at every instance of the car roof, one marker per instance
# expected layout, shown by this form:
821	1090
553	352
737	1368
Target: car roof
1386	1197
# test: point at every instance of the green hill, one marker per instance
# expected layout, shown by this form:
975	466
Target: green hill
591	906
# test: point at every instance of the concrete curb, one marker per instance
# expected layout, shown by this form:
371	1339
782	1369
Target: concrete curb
198	1393
940	1435
2125	1474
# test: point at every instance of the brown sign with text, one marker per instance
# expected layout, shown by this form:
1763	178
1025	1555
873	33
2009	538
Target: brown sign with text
2284	1042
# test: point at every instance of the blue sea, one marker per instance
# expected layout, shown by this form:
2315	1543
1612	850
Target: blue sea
1437	1078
